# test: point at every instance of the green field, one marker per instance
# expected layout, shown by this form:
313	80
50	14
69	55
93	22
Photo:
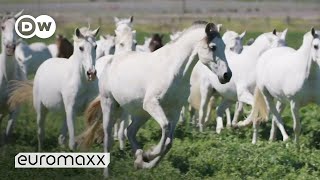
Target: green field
194	155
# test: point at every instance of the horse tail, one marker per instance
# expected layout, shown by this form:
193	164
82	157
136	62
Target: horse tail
93	131
93	111
260	110
20	92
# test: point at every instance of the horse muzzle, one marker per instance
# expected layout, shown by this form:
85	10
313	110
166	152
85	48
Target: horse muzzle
91	75
225	78
10	50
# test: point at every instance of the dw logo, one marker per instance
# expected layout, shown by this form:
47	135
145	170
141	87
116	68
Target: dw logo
27	26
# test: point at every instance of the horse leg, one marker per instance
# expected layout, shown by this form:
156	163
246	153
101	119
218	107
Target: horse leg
228	116
238	111
123	124
209	108
205	96
70	124
182	115
168	143
63	134
278	118
132	130
41	115
2	137
115	130
296	121
280	107
193	116
11	122
152	106
220	110
246	97
107	106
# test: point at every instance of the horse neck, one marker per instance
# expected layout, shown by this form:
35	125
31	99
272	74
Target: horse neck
183	56
257	48
304	57
7	63
76	66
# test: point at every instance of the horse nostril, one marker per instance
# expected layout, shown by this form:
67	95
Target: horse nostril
226	76
88	74
95	73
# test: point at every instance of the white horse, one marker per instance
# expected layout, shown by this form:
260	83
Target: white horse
287	75
65	85
145	46
233	42
30	57
157	85
105	46
8	65
241	86
124	43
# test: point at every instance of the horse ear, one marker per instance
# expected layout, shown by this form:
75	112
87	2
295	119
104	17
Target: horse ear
313	32
78	33
116	19
284	34
131	19
95	32
210	28
116	32
101	37
16	16
243	34
219	27
274	32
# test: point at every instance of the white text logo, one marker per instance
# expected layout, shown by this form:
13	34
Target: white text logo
62	160
43	26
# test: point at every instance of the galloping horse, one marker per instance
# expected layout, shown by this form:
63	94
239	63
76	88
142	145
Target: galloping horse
161	91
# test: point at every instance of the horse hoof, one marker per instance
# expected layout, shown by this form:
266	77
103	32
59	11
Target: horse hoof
72	147
285	139
138	163
138	153
218	130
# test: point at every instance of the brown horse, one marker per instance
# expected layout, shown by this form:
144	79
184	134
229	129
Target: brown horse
156	42
64	46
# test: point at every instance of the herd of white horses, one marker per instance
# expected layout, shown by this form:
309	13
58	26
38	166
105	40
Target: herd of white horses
128	84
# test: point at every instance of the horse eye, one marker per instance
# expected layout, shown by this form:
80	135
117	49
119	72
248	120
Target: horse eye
2	27
121	44
213	48
316	47
81	48
95	47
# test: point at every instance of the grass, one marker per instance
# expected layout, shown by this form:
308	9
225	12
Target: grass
194	155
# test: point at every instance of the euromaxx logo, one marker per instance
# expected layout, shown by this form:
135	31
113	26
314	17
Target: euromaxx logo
43	26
